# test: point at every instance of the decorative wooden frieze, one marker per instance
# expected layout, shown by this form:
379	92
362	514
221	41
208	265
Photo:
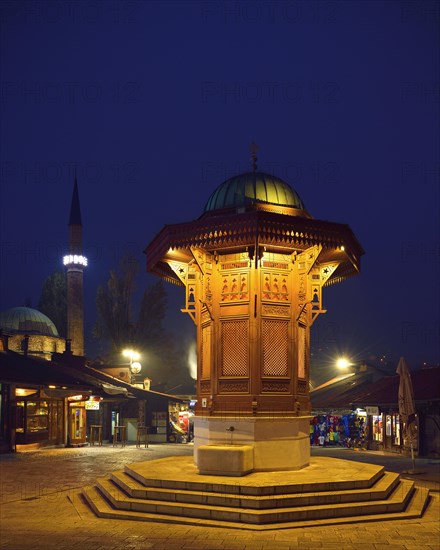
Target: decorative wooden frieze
227	386
302	386
274	387
241	264
275	265
273	310
205	386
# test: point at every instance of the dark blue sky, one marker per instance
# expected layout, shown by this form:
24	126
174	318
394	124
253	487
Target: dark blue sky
156	103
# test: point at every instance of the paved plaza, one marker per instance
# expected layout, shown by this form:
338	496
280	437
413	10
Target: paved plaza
41	508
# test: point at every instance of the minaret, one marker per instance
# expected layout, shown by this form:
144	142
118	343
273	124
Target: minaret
75	263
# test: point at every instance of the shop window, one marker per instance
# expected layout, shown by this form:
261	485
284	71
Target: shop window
377	428
396	431
388	426
37	415
19	417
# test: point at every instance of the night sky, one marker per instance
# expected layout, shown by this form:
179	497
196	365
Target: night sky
156	103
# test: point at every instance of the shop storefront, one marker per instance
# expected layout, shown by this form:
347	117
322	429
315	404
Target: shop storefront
77	421
386	430
38	421
343	430
4	417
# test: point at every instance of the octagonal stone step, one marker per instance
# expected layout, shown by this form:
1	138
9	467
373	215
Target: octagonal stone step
381	490
396	502
102	508
329	491
323	474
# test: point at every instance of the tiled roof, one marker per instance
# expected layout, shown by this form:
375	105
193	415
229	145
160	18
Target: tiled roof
360	391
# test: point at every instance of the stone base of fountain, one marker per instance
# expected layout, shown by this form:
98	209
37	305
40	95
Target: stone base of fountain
236	446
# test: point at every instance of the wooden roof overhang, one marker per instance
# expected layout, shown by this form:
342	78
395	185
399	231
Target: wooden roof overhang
242	231
32	371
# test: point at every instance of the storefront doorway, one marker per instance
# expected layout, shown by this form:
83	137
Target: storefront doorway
56	423
77	423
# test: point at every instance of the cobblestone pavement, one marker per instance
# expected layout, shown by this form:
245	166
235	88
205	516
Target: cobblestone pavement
36	512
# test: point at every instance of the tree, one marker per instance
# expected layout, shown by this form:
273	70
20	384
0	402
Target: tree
145	332
113	304
53	300
148	328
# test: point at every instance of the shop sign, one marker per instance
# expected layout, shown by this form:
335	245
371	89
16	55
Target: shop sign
372	410
79	397
92	405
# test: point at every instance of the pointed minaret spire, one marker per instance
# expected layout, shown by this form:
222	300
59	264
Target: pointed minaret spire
75	210
254	150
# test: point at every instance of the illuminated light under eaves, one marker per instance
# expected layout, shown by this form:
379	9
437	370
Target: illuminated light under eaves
24	391
79	397
342	248
342	363
75	259
51	387
136	367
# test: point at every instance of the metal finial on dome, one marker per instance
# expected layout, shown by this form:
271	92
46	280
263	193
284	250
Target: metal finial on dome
254	150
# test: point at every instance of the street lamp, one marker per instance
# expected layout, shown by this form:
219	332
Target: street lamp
135	366
342	363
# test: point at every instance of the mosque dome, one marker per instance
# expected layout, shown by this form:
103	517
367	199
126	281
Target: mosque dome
26	320
254	188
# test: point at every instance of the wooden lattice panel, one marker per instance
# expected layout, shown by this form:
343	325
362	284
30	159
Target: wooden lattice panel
234	340
206	351
275	347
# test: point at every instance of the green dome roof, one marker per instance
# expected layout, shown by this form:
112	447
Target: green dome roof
253	188
27	321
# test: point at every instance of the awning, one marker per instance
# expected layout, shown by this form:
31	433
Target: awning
114	390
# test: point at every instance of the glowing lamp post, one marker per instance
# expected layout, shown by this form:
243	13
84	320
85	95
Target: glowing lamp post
343	363
135	366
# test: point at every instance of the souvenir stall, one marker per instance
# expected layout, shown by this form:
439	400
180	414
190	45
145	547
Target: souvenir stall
345	430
